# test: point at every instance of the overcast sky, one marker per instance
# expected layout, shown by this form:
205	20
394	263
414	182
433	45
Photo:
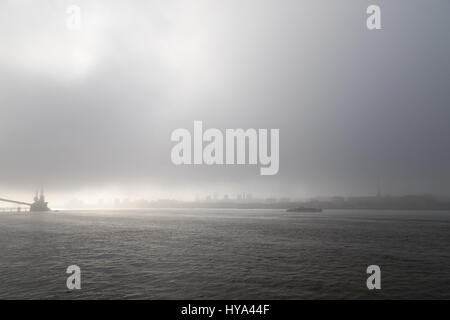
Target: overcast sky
89	113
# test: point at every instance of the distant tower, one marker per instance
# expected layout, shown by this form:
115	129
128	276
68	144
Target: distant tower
41	196
379	188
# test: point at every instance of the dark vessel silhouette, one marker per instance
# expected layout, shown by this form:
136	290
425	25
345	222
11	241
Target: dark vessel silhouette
39	204
304	209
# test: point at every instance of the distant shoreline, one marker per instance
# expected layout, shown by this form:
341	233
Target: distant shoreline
62	210
400	203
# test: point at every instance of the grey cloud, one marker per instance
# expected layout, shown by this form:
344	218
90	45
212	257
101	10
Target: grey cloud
352	105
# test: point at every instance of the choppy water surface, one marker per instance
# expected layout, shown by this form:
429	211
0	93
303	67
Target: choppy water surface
225	254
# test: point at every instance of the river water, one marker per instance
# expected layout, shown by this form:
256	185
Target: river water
225	254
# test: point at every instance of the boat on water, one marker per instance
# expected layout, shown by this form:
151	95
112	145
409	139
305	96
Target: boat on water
304	209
